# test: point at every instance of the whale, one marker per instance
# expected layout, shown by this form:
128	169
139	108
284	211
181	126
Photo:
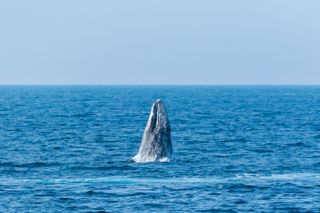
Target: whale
156	145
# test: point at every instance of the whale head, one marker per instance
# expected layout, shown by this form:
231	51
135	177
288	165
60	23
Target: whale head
156	141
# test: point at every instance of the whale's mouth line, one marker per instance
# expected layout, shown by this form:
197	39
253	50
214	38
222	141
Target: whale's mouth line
153	119
154	116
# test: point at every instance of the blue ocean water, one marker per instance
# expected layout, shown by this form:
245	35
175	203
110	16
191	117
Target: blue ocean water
236	149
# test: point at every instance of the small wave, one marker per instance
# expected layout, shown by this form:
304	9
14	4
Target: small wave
293	176
279	177
300	144
103	168
179	180
26	165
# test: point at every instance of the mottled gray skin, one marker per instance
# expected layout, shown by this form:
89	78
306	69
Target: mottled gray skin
156	141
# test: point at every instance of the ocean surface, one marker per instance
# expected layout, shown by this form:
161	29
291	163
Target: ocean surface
236	149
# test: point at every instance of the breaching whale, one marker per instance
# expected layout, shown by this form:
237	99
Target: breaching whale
156	141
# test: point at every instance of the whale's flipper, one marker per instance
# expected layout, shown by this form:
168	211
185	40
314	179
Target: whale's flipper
156	141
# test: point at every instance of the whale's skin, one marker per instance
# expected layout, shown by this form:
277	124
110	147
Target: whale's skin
156	145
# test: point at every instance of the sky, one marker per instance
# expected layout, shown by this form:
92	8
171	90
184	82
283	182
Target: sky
160	42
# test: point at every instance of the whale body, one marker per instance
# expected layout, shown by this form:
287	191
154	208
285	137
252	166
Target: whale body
156	143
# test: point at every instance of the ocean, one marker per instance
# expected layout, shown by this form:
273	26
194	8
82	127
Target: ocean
236	149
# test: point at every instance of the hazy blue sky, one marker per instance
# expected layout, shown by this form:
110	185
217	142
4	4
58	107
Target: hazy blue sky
160	42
